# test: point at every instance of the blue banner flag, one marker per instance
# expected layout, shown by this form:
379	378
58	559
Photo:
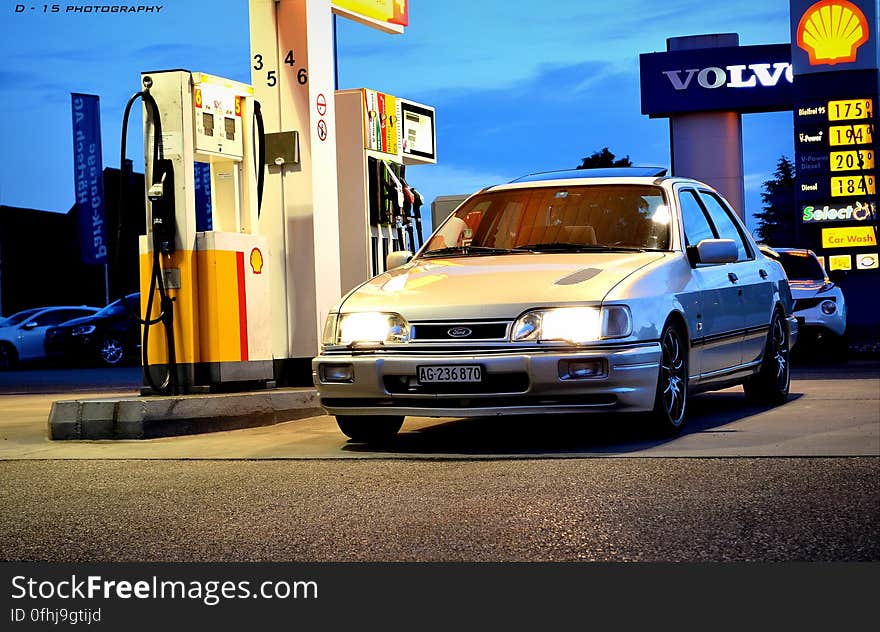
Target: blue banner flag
204	218
88	176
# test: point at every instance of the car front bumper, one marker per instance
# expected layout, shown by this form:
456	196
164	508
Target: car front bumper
814	318
515	382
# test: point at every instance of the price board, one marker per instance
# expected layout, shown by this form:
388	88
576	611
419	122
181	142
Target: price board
836	171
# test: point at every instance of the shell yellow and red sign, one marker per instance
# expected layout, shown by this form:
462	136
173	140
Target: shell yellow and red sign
831	31
390	16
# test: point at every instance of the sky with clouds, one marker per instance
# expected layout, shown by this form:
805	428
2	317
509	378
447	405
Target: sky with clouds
518	86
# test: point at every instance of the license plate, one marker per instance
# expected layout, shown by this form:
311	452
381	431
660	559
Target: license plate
450	373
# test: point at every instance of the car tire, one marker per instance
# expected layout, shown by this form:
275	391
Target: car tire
773	380
369	429
671	399
8	357
111	352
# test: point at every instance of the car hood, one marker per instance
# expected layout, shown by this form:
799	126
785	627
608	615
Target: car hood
502	286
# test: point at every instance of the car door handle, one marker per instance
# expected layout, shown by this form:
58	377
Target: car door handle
763	273
732	276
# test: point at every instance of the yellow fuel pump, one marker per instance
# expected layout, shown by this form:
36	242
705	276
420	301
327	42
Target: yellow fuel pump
209	289
379	136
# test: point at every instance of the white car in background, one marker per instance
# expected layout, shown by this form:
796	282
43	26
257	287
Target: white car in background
819	305
23	334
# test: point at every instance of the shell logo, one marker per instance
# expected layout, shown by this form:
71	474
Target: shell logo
256	261
831	32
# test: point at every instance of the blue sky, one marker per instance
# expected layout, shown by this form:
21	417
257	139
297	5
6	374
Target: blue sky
517	89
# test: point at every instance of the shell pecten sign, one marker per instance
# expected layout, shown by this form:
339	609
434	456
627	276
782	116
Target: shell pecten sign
831	31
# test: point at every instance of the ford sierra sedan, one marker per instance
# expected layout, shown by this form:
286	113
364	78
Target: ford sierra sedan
577	292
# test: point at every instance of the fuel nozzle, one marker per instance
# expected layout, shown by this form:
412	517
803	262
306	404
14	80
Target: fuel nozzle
161	195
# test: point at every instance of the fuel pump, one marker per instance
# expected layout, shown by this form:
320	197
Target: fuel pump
210	289
379	135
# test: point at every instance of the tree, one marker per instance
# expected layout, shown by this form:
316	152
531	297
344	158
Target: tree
604	158
776	224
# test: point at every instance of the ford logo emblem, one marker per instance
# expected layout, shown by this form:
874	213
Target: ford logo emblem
459	332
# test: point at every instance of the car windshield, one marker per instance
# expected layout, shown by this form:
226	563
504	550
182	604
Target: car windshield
801	266
18	317
117	308
577	218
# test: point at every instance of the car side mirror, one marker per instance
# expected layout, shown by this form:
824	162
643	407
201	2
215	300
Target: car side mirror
31	324
716	251
397	258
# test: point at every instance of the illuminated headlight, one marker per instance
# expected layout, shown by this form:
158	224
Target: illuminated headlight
828	307
83	330
365	327
573	324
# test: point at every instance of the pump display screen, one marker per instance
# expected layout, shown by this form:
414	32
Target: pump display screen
208	122
418	131
230	128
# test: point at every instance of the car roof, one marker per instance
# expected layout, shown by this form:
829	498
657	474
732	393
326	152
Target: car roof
643	176
54	307
801	250
601	172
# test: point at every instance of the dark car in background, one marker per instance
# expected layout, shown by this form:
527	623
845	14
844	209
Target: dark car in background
110	337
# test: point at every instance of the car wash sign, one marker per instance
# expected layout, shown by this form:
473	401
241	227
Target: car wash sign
88	176
731	78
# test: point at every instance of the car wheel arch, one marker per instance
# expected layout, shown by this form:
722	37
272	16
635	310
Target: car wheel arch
677	319
10	354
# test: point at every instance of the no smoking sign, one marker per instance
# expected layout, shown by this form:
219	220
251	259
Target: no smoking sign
321	106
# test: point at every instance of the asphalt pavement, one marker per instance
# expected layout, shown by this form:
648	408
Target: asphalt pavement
662	509
799	482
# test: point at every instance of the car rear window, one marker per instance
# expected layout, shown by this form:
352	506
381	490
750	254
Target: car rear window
801	265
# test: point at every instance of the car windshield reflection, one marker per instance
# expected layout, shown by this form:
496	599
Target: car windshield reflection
557	219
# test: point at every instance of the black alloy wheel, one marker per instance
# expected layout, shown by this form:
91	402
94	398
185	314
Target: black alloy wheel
111	352
670	405
773	380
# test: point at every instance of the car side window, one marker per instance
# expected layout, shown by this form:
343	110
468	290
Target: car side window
58	316
696	226
726	226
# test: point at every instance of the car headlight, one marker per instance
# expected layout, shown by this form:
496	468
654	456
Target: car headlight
82	330
573	324
828	307
365	327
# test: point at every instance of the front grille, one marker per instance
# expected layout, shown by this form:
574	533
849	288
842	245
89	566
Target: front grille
491	383
457	332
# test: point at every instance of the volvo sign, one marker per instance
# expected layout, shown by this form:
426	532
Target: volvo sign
741	78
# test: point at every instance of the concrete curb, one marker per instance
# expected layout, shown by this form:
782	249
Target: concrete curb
150	417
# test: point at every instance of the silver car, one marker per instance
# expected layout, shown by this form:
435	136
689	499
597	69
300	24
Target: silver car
819	305
23	334
586	291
